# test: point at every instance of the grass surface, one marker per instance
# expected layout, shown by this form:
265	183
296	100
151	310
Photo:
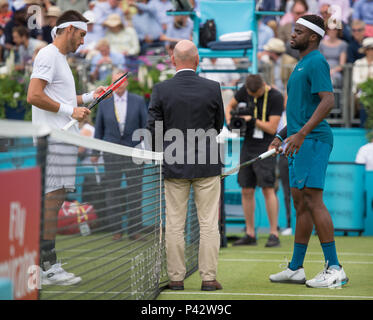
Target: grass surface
243	272
116	270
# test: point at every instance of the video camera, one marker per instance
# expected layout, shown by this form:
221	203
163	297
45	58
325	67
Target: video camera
237	123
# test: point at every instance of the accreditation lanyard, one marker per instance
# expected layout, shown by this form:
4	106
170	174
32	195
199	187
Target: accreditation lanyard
120	121
265	101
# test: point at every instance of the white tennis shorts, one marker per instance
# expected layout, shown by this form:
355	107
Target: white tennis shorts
60	167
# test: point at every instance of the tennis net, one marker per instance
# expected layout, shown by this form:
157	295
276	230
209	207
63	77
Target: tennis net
110	227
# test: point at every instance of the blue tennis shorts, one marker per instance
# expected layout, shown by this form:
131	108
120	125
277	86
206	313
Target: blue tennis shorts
307	168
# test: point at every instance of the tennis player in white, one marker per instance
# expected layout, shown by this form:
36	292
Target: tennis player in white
55	103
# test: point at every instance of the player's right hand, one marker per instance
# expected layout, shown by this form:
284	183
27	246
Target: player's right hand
276	143
80	113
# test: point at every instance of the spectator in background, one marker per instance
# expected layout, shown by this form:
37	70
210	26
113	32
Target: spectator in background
365	155
264	34
281	64
104	61
26	47
162	7
292	14
5	13
363	10
122	39
333	19
90	39
358	31
179	29
117	118
102	10
341	9
361	72
19	18
335	52
52	15
77	5
313	6
298	9
146	24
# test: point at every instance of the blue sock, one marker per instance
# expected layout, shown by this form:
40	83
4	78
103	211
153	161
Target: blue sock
298	256
330	253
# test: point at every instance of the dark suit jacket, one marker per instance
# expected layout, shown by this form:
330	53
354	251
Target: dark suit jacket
107	128
184	102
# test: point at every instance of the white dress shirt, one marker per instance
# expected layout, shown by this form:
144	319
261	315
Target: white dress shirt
120	104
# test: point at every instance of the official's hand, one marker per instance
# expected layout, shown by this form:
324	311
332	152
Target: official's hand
80	113
294	143
276	143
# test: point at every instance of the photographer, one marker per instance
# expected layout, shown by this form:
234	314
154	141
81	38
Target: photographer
258	123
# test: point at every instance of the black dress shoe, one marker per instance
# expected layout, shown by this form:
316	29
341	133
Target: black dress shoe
211	285
246	241
176	285
272	241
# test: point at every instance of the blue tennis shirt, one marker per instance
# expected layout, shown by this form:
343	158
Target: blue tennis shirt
310	76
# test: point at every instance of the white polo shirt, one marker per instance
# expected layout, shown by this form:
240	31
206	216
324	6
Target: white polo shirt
365	156
52	66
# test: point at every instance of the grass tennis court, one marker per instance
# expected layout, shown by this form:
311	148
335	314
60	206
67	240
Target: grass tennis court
243	272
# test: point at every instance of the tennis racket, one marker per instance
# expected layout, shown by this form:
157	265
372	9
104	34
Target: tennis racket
247	163
109	90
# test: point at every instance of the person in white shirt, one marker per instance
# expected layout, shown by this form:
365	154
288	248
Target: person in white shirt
365	155
54	102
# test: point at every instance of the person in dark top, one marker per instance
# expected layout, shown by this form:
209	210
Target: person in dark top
358	30
265	106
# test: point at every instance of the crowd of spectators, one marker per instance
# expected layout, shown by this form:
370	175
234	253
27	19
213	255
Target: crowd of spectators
121	30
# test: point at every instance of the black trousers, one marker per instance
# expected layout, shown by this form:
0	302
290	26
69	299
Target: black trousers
123	201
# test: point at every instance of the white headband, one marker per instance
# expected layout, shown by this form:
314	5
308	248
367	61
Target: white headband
311	26
77	24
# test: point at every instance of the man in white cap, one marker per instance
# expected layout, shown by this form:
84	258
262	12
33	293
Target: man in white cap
55	103
281	63
309	142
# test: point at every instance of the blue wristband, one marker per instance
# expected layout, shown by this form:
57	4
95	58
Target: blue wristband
278	136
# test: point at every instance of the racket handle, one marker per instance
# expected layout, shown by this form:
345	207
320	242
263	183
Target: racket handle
69	125
268	153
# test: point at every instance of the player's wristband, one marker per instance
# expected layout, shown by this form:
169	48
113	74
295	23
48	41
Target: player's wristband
279	137
66	109
88	97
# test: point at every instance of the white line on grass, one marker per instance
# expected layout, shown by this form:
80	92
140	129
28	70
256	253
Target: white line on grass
340	253
226	294
277	260
269	295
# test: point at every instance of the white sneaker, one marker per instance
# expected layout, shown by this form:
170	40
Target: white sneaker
328	278
287	232
56	275
289	276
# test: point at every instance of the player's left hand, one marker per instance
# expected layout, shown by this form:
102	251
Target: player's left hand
293	144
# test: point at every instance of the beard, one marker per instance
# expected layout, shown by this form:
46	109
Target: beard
299	46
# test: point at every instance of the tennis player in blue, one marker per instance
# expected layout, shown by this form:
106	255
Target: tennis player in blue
309	141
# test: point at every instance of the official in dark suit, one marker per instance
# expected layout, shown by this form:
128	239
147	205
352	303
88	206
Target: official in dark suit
186	114
117	118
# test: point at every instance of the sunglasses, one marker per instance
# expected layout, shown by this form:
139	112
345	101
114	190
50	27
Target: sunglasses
358	30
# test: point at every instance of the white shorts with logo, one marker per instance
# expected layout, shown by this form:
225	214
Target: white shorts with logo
60	167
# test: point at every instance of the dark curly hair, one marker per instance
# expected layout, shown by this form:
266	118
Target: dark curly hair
316	20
